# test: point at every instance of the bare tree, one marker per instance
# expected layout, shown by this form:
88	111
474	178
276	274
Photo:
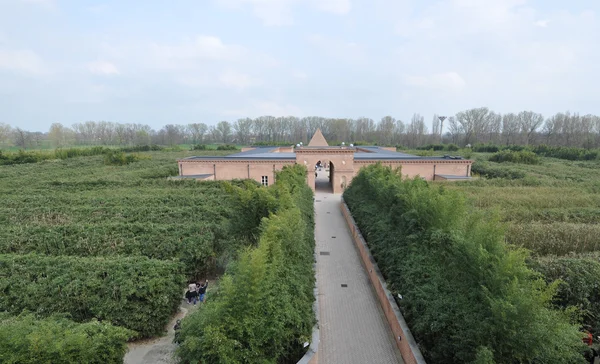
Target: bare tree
454	129
5	132
60	135
510	128
474	122
529	123
224	130
386	127
416	130
243	130
22	138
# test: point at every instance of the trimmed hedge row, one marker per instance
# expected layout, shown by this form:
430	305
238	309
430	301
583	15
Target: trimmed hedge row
24	157
262	312
27	340
135	292
522	157
485	170
578	285
466	296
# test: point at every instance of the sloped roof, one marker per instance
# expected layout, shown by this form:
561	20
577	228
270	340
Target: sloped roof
318	140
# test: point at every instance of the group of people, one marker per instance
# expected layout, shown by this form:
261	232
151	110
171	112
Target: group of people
196	292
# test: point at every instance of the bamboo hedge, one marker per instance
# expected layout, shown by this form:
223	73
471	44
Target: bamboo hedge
262	312
137	293
466	296
27	340
578	286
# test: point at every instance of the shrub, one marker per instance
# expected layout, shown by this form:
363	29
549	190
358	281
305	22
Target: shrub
578	285
142	148
522	157
557	238
568	153
227	147
465	295
117	158
199	147
262	312
271	144
485	148
137	293
440	147
485	170
24	340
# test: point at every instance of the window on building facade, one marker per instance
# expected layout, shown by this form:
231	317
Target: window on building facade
265	180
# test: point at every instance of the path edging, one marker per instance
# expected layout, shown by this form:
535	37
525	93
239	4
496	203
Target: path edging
411	354
312	356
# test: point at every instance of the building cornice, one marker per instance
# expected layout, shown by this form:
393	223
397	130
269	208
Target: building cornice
324	151
405	161
238	161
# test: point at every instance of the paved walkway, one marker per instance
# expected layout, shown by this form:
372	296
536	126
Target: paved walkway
352	325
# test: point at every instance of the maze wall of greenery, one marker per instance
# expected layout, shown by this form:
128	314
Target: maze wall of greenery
467	297
28	340
138	293
262	312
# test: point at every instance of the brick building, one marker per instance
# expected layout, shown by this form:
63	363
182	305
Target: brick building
340	163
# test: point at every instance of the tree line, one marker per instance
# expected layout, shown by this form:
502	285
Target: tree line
478	125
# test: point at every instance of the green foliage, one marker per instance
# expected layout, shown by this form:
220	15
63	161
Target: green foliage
137	293
142	148
262	312
578	285
36	156
440	147
569	153
486	148
117	158
199	147
485	170
27	340
227	147
465	294
83	208
557	238
522	157
272	144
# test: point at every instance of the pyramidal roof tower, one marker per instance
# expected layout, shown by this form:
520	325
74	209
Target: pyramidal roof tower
318	140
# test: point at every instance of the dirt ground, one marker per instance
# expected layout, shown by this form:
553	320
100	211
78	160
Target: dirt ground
158	350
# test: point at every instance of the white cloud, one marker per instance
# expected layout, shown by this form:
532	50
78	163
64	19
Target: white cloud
542	23
264	107
25	61
299	75
103	68
271	12
280	12
344	50
189	55
340	7
44	3
441	81
237	80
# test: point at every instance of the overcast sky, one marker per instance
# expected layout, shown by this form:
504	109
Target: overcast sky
160	62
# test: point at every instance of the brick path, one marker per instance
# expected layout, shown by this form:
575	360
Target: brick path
352	325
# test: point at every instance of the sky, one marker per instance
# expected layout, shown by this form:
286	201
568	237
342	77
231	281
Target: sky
163	62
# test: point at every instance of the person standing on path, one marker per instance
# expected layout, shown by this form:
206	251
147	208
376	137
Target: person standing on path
193	296
202	290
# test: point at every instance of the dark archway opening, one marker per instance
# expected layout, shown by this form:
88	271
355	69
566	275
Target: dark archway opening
324	178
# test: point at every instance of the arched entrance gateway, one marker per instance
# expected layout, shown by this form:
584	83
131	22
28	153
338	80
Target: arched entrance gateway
338	164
